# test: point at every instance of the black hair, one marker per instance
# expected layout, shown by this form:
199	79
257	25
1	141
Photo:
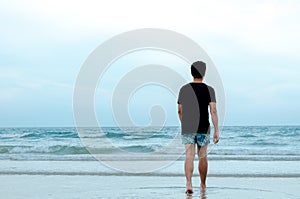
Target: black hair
198	69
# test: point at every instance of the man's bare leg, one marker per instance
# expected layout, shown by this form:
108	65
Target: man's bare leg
202	165
189	165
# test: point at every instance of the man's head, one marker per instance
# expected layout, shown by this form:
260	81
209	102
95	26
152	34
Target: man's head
198	69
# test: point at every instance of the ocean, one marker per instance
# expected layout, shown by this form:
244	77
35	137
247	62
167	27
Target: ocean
236	142
248	162
242	150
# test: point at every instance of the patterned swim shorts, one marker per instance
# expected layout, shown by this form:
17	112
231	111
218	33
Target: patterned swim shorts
193	138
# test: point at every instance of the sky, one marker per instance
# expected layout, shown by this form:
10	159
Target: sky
254	45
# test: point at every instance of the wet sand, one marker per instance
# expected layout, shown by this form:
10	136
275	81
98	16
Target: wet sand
93	186
91	179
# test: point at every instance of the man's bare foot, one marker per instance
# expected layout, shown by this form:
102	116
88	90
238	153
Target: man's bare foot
203	187
189	188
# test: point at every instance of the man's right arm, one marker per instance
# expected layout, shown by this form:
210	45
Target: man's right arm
214	118
180	112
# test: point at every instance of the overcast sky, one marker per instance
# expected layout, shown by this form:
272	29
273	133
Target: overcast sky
255	46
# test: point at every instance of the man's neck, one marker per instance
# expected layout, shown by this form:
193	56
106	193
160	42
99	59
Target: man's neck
198	80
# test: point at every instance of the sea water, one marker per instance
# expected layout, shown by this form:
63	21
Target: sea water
242	150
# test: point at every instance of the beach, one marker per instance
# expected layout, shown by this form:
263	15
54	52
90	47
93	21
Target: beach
53	163
102	99
90	179
60	186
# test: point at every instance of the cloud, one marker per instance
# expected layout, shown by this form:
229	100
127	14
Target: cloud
247	20
265	26
19	84
39	40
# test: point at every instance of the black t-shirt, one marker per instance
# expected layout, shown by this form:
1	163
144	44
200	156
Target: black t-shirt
195	98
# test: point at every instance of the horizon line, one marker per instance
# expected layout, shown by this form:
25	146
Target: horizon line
258	125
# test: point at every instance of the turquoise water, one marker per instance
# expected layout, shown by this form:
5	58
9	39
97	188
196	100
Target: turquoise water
236	143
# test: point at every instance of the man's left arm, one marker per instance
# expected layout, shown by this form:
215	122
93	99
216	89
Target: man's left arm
214	118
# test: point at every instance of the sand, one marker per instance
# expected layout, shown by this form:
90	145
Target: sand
90	179
85	186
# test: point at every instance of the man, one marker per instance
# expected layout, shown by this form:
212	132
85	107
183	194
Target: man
193	101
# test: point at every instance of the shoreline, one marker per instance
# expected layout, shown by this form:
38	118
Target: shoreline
226	168
57	186
150	175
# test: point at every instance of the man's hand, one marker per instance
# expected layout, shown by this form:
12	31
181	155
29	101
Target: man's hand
214	117
216	137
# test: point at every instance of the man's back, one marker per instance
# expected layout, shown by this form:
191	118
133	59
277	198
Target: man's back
195	98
